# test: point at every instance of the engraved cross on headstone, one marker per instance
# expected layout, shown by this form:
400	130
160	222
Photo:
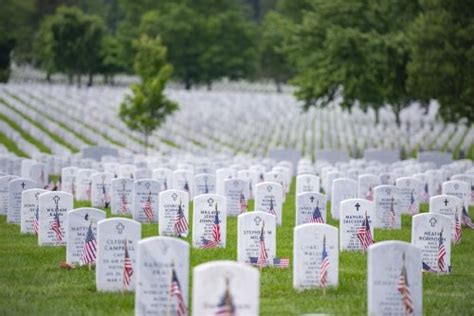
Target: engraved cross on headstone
357	206
445	202
23	185
257	220
312	199
433	222
120	227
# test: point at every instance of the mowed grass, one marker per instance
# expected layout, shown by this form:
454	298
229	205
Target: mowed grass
31	282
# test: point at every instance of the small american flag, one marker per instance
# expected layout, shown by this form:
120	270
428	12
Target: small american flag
36	220
364	234
186	185
412	207
56	227
439	191
262	252
441	253
124	204
427	268
216	233
272	208
148	209
165	184
243	203
180	222
281	263
426	193
88	190
175	290
457	230
370	194
391	216
404	290
466	219
324	268
472	193
127	268
90	247
316	217
226	305
105	197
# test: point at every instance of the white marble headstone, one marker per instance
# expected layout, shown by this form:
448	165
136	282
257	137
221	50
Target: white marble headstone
30	211
409	192
389	264
79	222
161	262
387	209
101	189
164	176
236	192
121	198
174	213
315	256
112	235
145	200
15	188
431	232
209	221
342	189
225	286
307	183
4	180
366	185
204	183
223	174
249	233
356	225
183	180
53	210
83	184
310	208
68	178
458	189
268	198
449	206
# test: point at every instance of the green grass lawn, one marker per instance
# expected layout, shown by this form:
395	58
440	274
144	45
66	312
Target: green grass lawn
31	282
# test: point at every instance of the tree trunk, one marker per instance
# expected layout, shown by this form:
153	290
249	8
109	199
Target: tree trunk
70	78
209	86
146	144
396	110
48	77
377	116
90	82
79	80
278	86
187	83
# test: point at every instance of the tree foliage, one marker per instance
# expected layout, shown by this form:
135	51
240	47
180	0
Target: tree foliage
147	107
355	49
442	64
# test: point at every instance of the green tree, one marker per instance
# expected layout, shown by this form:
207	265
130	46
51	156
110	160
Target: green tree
273	60
15	33
355	49
111	62
42	48
76	41
442	63
147	107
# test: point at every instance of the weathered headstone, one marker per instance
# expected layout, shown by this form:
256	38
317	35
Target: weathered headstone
431	233
394	279
356	225
81	247
121	198
162	277
315	256
256	238
310	208
209	221
145	200
268	198
225	288
53	210
15	188
409	192
174	213
236	192
30	211
117	240
342	189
